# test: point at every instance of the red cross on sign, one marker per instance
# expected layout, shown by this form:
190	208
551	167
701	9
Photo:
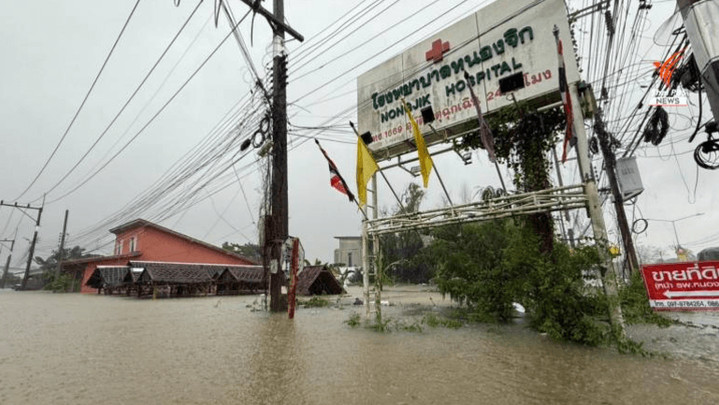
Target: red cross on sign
438	49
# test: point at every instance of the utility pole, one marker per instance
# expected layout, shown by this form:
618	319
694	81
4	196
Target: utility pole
277	231
596	216
278	188
34	238
7	263
610	162
61	252
32	247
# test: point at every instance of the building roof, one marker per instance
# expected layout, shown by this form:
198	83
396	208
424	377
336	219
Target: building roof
84	260
212	269
348	237
107	276
247	274
141	223
317	280
172	273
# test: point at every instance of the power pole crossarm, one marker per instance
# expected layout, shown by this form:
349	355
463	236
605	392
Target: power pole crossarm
276	20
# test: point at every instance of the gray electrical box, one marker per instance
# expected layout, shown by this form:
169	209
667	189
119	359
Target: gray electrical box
630	181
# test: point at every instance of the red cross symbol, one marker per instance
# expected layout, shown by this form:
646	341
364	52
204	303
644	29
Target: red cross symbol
438	49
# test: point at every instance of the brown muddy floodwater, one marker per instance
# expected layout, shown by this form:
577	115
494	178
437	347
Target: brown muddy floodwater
91	349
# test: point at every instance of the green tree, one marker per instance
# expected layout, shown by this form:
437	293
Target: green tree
48	266
400	250
468	261
488	266
522	140
251	251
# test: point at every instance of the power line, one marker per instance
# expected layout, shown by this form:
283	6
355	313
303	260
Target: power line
84	100
132	96
155	115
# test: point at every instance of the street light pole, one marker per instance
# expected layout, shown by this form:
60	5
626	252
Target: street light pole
674	224
676	235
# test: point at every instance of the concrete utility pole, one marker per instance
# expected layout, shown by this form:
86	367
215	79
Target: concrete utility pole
700	20
278	188
277	231
7	263
596	216
610	161
32	247
61	252
34	238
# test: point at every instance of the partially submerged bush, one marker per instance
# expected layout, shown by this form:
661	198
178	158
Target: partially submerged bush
635	304
315	302
489	266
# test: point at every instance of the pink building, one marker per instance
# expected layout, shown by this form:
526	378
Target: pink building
141	240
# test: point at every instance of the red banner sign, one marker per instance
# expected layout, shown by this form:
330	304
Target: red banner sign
294	267
686	286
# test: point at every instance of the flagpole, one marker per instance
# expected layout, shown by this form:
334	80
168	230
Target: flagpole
344	184
441	183
485	134
379	169
364	214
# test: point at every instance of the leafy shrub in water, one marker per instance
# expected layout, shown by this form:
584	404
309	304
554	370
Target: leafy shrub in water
433	321
62	283
468	265
316	302
489	266
635	303
354	320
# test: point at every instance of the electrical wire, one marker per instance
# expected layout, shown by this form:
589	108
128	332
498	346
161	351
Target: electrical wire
127	102
164	106
82	104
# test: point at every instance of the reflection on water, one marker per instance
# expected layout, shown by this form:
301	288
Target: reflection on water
95	349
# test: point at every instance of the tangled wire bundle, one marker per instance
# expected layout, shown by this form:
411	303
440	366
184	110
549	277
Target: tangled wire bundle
657	127
707	154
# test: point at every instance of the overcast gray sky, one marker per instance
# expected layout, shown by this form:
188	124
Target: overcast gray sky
52	52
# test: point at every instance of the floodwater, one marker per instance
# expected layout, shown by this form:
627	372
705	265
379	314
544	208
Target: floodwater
90	349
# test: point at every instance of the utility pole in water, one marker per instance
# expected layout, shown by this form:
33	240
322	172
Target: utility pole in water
61	252
610	161
32	246
34	238
7	263
277	231
278	189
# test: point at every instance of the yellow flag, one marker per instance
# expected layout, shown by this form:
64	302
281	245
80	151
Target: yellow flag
366	167
425	160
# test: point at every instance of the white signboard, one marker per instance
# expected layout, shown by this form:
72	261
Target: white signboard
504	38
286	254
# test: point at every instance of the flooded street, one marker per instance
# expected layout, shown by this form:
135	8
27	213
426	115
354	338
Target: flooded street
88	349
